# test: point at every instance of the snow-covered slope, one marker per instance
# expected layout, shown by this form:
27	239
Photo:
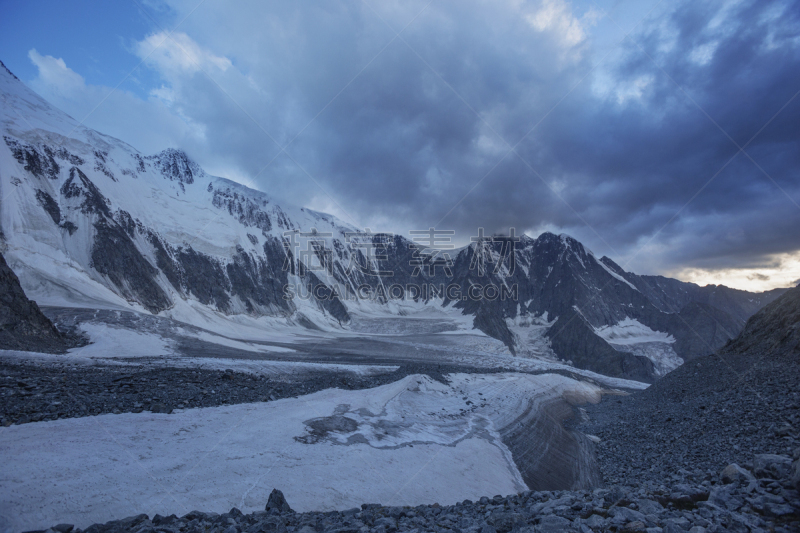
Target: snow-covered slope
89	221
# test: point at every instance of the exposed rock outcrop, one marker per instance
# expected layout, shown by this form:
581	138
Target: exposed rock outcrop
23	326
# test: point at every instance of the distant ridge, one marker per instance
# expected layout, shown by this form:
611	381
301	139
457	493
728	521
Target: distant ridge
773	331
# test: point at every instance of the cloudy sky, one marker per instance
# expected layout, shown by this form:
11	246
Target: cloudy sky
664	134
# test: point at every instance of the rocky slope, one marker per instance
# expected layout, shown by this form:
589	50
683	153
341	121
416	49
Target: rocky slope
713	411
23	326
773	332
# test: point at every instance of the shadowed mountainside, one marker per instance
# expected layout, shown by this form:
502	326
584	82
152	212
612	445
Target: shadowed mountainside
23	326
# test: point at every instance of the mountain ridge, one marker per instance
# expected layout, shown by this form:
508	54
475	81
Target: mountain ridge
89	220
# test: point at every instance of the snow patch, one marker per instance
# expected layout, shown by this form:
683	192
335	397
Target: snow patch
614	274
109	341
530	338
630	335
631	331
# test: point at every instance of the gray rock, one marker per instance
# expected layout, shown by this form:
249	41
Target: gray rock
505	522
779	509
772	466
623	515
634	526
725	498
676	524
595	521
734	473
794	479
387	522
553	524
647	507
278	502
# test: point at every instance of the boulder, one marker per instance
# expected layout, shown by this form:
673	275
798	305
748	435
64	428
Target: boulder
553	524
734	473
772	466
795	476
278	502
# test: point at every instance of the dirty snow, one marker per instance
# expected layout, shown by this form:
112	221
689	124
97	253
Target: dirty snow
406	443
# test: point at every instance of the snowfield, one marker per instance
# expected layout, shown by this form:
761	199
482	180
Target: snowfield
410	442
630	335
370	345
631	331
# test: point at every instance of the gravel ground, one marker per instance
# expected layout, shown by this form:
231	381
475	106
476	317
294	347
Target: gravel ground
32	393
737	501
35	392
711	412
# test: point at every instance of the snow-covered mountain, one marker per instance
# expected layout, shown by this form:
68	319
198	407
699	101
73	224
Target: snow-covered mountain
88	221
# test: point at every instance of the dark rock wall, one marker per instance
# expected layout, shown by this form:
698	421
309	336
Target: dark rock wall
115	255
573	339
548	455
23	326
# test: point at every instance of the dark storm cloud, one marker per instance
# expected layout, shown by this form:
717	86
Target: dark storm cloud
433	113
407	140
412	131
661	151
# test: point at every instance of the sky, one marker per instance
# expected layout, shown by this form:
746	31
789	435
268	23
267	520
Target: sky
663	134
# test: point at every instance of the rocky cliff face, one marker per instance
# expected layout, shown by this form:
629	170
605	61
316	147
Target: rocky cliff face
584	299
23	326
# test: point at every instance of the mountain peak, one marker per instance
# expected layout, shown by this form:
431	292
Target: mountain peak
563	240
548	236
612	265
175	165
7	71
